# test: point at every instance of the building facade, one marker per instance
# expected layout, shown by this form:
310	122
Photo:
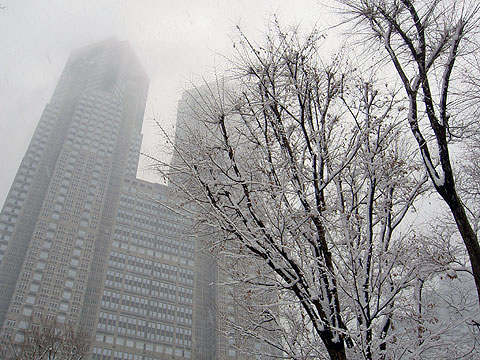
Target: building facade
146	307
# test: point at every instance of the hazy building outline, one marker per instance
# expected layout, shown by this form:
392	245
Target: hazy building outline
85	243
82	241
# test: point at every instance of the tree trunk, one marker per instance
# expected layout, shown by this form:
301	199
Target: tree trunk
466	231
336	349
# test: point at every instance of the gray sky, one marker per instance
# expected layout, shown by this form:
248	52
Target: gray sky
174	39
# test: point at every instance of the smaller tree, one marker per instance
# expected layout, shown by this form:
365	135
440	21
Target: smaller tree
49	340
374	194
442	309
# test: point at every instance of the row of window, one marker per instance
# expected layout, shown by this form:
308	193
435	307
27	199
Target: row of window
143	242
145	307
143	221
109	354
138	237
142	285
140	328
149	267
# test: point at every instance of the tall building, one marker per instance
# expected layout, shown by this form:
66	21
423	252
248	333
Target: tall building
84	243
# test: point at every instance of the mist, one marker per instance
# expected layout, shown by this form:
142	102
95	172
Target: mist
176	41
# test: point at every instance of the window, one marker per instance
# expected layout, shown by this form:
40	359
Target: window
37	276
27	311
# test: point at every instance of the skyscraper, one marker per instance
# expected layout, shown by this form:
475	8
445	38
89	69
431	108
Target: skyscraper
60	209
82	241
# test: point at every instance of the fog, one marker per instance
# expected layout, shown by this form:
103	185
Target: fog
174	40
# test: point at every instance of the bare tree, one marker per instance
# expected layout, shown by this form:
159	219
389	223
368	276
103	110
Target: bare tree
375	193
425	40
249	173
49	340
296	163
445	301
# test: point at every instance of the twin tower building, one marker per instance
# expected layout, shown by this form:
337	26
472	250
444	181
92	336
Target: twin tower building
84	244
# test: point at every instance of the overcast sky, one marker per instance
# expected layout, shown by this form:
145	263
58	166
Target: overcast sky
174	39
